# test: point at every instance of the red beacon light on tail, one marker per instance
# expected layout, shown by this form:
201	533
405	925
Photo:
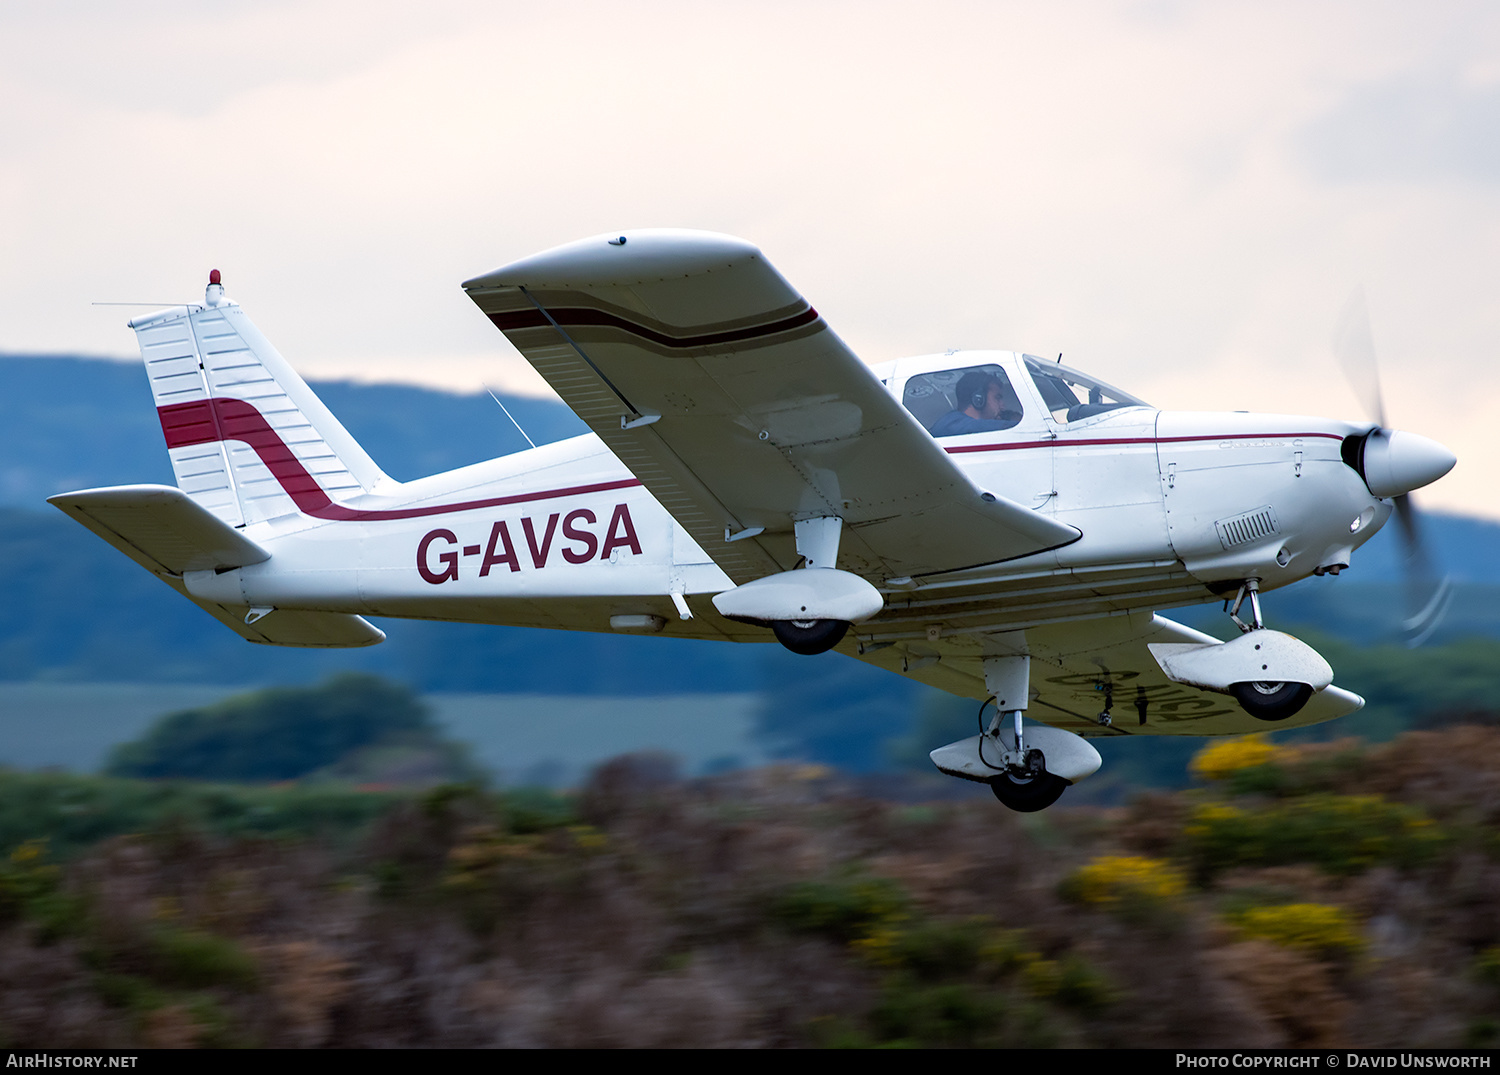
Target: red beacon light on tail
214	295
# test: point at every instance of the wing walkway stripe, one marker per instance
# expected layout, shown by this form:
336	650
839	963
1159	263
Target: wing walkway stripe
582	316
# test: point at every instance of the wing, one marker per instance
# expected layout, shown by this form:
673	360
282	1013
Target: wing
733	402
167	533
1080	669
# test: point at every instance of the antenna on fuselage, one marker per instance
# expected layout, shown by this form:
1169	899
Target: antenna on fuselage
512	417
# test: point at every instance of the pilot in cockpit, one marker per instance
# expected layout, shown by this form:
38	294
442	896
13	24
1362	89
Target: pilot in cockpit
985	404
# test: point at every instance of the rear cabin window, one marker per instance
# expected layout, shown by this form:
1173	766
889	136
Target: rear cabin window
972	399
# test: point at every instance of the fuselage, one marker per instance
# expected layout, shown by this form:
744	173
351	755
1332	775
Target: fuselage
1173	507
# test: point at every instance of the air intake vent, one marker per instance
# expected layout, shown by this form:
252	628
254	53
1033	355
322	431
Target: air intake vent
1242	529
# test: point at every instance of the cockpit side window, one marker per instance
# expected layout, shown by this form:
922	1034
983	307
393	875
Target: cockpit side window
971	399
1071	396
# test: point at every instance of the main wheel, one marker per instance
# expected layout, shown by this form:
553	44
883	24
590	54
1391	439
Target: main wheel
810	637
1029	795
1272	701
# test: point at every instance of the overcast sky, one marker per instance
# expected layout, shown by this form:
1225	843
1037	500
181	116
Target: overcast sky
1179	197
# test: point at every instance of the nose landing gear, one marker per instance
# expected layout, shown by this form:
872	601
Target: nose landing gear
1264	700
1271	701
1271	674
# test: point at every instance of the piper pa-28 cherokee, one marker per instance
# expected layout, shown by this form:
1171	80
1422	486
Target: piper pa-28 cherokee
989	523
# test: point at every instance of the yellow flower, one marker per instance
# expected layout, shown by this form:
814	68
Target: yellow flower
1309	926
1225	757
878	946
1112	877
29	852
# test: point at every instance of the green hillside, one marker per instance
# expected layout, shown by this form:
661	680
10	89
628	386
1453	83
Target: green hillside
1332	897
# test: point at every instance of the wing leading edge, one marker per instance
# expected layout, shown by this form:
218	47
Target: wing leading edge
732	401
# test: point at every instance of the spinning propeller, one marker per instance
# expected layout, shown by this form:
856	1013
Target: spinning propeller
1393	463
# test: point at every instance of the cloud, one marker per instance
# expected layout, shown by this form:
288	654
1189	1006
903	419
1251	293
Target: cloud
1137	185
1411	128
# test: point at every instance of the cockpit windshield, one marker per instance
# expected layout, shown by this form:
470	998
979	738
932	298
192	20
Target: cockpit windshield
1071	396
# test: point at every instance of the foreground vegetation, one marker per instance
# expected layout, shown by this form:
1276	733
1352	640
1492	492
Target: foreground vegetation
1329	895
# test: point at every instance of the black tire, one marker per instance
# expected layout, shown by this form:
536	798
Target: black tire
810	637
1028	796
1272	701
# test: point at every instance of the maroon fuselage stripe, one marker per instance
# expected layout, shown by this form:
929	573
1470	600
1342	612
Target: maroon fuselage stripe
208	420
959	449
585	317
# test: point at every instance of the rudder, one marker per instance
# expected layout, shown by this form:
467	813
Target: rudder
248	439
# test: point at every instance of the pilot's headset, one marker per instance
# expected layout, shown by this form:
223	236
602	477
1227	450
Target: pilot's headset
974	389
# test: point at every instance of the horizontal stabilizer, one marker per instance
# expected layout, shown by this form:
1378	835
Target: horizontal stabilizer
168	533
161	528
292	627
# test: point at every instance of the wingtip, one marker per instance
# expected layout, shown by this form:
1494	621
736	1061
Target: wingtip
621	257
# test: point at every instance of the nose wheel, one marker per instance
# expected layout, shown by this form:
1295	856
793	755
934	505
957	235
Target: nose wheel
1264	700
1272	701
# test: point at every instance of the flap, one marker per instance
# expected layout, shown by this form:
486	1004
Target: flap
732	401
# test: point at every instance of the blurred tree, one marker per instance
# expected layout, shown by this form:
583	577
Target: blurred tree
279	734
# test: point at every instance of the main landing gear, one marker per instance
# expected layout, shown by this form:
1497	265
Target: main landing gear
810	637
1023	784
1032	770
809	607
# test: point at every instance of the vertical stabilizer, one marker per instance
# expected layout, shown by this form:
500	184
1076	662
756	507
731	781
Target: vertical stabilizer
248	439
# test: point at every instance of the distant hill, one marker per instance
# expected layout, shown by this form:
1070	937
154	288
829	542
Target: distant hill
71	608
71	423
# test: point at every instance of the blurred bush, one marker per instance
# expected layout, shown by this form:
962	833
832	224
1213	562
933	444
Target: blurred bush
73	812
1342	834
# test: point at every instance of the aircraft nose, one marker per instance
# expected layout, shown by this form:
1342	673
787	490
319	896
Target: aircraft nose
1396	462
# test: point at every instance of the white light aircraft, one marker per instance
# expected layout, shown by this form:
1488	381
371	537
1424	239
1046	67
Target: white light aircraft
993	524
